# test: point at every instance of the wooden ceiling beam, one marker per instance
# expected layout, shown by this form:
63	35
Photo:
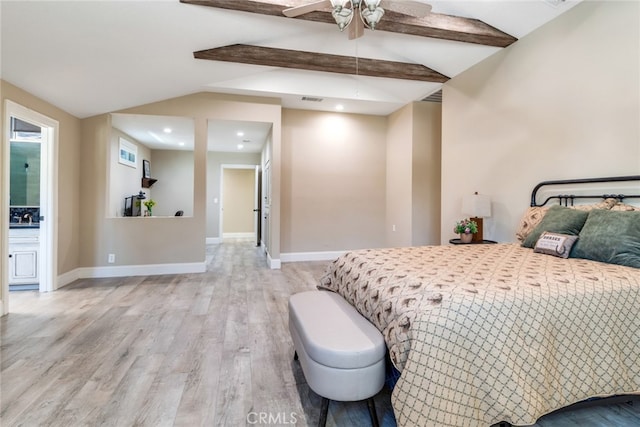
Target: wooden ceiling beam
286	58
433	25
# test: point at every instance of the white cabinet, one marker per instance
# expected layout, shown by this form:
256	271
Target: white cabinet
23	259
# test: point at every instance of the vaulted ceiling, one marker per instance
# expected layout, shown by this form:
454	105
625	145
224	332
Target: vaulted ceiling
94	57
434	25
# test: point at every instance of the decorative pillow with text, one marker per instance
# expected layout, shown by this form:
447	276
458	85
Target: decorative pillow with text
555	244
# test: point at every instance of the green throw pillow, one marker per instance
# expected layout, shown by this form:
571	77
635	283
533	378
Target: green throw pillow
558	219
610	236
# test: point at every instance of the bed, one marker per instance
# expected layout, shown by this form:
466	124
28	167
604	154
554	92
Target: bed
493	333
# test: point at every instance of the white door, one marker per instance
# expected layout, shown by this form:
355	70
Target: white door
45	258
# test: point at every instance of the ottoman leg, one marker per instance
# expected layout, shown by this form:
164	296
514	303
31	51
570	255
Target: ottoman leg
372	412
323	412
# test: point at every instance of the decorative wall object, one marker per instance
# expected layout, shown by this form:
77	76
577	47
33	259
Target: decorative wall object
146	169
128	153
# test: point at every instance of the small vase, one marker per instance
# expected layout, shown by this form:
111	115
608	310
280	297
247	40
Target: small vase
466	238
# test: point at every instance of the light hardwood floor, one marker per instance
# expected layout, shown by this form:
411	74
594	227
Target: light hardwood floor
186	350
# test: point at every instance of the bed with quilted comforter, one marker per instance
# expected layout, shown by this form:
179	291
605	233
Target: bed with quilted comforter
490	333
500	332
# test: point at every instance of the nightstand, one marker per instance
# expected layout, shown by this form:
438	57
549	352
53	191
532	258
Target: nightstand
458	242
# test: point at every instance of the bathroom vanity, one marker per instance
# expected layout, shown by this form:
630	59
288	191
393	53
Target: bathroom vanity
24	248
24	245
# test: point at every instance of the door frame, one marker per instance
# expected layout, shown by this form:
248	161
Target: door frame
257	204
47	264
221	207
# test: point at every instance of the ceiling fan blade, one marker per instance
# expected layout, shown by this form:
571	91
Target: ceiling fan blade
292	12
356	28
407	7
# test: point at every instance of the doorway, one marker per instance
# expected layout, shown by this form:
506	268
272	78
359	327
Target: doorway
239	209
30	226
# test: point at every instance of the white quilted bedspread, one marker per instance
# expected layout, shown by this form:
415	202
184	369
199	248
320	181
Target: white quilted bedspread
489	333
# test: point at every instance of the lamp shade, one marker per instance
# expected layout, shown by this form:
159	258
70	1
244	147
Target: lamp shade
372	16
476	205
342	16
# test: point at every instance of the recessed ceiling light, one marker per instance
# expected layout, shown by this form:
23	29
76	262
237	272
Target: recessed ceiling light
167	130
240	133
240	146
339	107
181	144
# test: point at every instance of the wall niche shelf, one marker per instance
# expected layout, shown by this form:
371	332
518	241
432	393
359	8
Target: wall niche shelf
148	182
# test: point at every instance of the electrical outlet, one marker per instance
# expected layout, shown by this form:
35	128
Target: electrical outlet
112	258
393	227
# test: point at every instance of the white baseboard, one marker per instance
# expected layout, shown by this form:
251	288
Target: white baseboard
66	278
213	240
310	256
274	264
130	270
184	268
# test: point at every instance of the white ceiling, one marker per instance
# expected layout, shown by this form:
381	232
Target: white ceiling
226	135
94	57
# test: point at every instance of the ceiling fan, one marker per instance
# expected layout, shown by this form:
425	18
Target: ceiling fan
370	12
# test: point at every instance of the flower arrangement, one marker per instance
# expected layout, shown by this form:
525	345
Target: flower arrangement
466	226
150	204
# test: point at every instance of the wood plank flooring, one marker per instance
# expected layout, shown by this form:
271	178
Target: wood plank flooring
208	349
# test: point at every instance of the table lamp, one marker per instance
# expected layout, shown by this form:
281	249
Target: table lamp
477	206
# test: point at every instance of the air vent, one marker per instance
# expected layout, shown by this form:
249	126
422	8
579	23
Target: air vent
434	97
312	99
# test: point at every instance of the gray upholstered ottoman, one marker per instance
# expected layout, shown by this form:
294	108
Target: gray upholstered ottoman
341	353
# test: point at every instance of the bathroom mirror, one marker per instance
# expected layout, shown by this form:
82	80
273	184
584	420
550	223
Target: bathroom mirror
151	158
24	163
25	173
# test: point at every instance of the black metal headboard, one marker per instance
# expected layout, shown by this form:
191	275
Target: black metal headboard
567	199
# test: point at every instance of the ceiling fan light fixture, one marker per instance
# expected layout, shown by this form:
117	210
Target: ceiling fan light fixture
369	10
342	16
371	17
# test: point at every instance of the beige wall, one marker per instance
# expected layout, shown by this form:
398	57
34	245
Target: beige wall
68	203
426	171
239	198
563	102
413	175
142	241
333	181
399	177
174	189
